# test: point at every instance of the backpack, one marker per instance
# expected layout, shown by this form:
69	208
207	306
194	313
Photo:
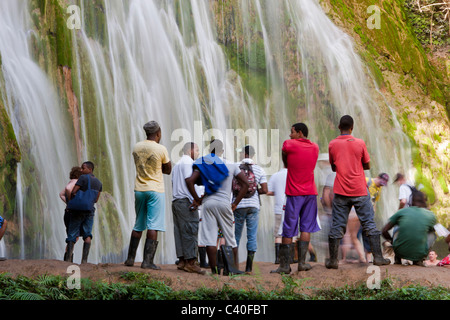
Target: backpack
246	168
413	191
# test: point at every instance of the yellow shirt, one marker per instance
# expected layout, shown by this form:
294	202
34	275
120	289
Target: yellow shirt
374	190
149	156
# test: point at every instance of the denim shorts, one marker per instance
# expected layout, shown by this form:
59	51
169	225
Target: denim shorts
80	224
150	211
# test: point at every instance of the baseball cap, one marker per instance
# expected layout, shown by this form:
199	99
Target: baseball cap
384	177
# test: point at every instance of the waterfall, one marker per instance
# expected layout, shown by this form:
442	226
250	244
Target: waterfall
39	123
162	60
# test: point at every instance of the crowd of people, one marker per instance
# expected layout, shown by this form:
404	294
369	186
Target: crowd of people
213	200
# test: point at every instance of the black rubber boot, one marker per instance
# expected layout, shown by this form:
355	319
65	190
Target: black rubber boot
302	251
333	246
149	254
312	256
69	252
249	265
228	261
375	245
285	256
86	248
134	243
277	253
202	257
219	262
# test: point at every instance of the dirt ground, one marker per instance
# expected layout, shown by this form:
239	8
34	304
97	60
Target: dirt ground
317	277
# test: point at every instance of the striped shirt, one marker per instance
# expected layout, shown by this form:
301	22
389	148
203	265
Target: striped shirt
260	177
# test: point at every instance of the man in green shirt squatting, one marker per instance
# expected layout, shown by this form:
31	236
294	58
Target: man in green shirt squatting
412	240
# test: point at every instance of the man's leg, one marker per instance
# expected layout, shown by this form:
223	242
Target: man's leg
340	211
73	232
290	229
177	227
86	232
155	222
308	225
252	229
140	225
239	221
364	210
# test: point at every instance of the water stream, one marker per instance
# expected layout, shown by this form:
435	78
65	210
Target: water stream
162	60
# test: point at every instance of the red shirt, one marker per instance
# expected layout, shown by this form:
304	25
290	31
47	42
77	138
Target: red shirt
302	157
348	154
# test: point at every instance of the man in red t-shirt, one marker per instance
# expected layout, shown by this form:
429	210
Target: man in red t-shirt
300	158
349	158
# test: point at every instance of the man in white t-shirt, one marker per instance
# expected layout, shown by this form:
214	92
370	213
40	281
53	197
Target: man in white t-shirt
185	218
247	212
405	192
277	188
217	211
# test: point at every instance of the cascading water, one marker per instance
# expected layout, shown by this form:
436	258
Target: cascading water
39	122
163	61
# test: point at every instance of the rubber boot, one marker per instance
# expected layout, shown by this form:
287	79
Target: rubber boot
228	261
312	255
86	248
375	245
69	253
333	246
303	250
65	256
202	257
134	243
149	254
249	265
285	256
219	262
277	253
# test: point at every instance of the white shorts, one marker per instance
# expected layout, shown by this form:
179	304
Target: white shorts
215	215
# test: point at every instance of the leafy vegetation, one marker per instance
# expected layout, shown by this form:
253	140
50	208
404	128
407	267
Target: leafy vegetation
430	20
140	286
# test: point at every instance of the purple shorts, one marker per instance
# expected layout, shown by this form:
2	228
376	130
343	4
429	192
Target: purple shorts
303	208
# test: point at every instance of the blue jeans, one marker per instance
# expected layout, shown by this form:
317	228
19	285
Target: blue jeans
341	209
250	216
80	224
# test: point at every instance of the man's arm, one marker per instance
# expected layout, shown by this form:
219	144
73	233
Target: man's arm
167	168
284	157
327	200
263	189
98	196
190	182
366	166
385	231
244	187
74	192
402	203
